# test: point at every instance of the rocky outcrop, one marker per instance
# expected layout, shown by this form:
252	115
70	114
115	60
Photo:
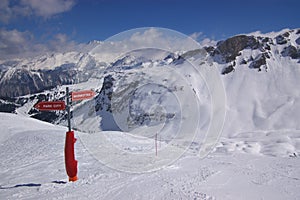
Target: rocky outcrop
103	99
298	40
280	39
259	61
228	69
231	48
291	51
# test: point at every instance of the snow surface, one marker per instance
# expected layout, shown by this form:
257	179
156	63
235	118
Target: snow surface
32	167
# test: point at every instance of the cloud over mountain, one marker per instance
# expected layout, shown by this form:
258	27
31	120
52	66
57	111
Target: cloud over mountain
23	44
26	8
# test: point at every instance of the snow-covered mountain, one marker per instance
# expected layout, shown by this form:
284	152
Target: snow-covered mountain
149	97
32	75
266	64
24	77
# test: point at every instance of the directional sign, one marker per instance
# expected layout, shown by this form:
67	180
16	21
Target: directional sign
50	105
81	95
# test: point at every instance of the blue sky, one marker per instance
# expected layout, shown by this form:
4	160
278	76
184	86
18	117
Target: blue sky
213	18
50	22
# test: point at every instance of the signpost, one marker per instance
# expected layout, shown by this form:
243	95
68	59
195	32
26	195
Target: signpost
81	95
70	162
50	105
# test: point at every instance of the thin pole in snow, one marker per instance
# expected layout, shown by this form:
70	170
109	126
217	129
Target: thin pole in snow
156	144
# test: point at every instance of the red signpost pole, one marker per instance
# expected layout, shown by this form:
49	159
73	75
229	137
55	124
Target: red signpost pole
70	162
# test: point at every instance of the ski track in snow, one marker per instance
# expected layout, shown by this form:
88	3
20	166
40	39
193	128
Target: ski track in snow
32	167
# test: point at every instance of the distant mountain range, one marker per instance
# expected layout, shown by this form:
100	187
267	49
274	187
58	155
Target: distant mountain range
240	60
30	76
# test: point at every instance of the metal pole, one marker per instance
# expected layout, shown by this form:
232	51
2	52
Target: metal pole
68	108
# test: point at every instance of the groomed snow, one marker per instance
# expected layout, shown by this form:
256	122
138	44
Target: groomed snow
241	167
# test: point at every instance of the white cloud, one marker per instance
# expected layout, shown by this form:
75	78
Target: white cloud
61	38
146	37
41	8
48	8
5	11
17	44
62	43
141	38
196	35
13	42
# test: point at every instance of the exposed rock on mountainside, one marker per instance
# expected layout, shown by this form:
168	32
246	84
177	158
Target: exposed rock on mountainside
103	99
291	51
230	48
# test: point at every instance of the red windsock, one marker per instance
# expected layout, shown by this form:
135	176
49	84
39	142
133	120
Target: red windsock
71	163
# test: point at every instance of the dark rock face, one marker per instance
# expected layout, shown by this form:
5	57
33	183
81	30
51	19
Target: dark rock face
228	69
259	61
298	40
230	48
286	34
103	99
291	51
280	40
283	38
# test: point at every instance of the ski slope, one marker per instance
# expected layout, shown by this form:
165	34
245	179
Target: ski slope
241	167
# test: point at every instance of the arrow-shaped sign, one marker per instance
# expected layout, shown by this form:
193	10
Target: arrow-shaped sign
50	105
81	95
